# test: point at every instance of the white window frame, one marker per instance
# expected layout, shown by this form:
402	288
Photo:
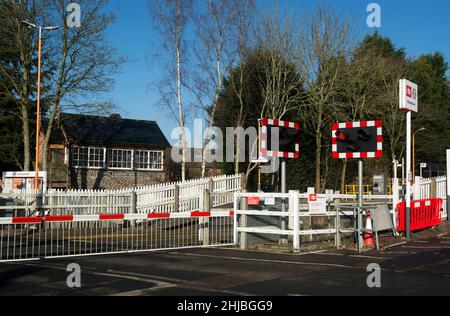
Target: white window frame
148	162
89	166
124	150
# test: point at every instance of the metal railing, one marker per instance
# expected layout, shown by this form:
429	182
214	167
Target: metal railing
82	222
32	238
266	223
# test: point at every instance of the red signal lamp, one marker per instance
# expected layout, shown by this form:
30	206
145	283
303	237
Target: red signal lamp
341	136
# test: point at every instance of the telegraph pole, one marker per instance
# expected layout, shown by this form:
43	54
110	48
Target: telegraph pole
38	101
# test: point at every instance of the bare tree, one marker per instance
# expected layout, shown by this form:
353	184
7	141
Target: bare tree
240	80
84	62
387	109
280	84
358	84
171	19
17	68
324	38
216	52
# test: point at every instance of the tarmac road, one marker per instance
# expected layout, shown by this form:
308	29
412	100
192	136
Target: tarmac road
414	268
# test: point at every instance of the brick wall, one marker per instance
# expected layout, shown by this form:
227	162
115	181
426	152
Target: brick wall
112	180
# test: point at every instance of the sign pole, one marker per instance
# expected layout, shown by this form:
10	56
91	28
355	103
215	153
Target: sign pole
409	101
283	190
259	154
408	175
360	204
448	184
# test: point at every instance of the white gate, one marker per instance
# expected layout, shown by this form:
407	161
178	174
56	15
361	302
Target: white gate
287	218
80	223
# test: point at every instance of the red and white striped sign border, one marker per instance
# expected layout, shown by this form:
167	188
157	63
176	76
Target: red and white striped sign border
110	217
361	155
264	152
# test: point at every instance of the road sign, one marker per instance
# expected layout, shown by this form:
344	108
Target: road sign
357	140
253	201
409	96
23	181
269	201
317	205
285	134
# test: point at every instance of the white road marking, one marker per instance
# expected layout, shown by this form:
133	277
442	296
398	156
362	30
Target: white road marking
195	285
395	245
423	247
269	261
369	257
140	278
401	252
312	253
332	254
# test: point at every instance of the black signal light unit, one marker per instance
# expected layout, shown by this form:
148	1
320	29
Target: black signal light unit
357	140
289	139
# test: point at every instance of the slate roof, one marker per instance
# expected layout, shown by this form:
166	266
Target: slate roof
108	131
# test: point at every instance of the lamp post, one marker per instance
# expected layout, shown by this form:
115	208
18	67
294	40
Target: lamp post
38	109
422	166
414	151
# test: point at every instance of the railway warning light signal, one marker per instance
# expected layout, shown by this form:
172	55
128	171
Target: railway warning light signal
357	140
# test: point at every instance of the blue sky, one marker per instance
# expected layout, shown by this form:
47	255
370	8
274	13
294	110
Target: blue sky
419	26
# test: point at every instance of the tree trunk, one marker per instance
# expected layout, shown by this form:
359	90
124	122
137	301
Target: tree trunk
26	138
343	175
179	96
318	162
236	159
48	133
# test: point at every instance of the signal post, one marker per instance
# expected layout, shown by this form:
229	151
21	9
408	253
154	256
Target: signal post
358	140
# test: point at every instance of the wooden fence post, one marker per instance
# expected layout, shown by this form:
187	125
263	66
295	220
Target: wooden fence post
243	241
433	188
133	209
176	203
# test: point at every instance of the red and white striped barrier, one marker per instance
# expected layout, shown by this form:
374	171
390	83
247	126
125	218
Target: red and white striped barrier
111	217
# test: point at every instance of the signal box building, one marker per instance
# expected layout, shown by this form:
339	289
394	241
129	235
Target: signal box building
94	152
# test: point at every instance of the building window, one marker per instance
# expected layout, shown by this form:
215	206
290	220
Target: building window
88	157
57	157
149	160
96	157
80	157
120	159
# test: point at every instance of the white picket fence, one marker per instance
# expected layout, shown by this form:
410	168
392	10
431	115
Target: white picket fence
423	190
161	198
